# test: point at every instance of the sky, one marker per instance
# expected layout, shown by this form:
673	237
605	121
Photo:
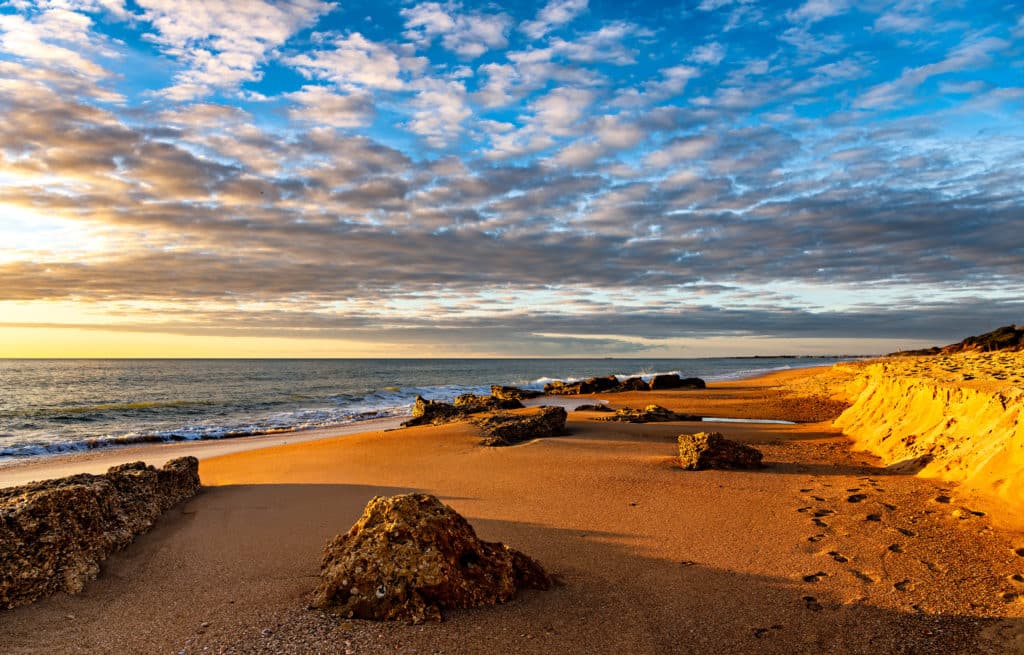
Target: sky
217	178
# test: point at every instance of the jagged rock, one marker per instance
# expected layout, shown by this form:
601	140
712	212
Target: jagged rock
410	557
649	414
513	393
633	384
590	385
55	533
593	408
433	412
710	450
504	429
1008	337
673	381
472	404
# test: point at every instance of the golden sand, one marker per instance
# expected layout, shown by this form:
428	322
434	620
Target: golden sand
824	550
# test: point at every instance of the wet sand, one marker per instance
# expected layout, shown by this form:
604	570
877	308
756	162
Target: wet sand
823	550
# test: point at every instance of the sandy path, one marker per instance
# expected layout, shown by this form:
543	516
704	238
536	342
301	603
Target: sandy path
655	559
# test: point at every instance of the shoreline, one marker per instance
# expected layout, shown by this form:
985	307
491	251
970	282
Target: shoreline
98	460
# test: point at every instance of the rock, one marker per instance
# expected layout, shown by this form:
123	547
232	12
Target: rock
473	404
592	408
692	383
649	414
673	381
55	533
633	384
710	450
433	412
410	557
513	393
504	429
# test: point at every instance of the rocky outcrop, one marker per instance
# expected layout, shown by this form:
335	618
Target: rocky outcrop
592	408
506	429
55	533
649	414
411	557
513	393
710	450
1008	337
673	381
611	384
433	412
473	404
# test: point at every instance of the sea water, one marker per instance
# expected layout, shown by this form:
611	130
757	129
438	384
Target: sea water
54	406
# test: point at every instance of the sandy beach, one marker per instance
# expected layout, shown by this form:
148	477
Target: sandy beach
826	549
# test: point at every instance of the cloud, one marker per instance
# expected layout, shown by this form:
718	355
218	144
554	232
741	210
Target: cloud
709	53
351	60
319	106
813	11
222	43
469	35
552	16
47	39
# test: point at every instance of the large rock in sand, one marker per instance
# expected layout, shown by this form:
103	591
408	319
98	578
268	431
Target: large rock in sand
710	450
433	412
410	557
505	429
55	533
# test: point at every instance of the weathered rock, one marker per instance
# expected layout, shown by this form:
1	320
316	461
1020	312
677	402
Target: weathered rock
433	412
590	385
504	429
649	414
633	384
592	408
472	404
692	383
513	393
673	381
410	557
710	450
55	533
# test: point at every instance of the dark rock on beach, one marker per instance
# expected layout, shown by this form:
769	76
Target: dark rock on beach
593	408
433	412
505	429
649	414
513	393
472	403
410	557
673	381
710	450
55	533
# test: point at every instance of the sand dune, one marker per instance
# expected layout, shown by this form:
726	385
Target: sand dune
955	417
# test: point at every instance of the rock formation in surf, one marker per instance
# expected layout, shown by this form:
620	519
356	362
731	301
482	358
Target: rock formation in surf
410	557
55	533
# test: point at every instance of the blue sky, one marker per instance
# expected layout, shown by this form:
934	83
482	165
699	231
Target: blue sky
560	178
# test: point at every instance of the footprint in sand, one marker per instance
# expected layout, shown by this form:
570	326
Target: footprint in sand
824	511
904	585
945	500
815	538
906	533
1017	578
873	517
1019	552
862	576
814	577
856	498
895	548
819	523
812	603
1011	596
761	633
818	498
837	556
804	509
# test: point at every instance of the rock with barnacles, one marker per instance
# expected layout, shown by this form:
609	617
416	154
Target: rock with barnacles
711	450
410	557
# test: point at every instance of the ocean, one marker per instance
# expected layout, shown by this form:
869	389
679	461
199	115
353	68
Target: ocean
56	406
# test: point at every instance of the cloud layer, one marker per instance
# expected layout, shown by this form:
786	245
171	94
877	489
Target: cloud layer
453	174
